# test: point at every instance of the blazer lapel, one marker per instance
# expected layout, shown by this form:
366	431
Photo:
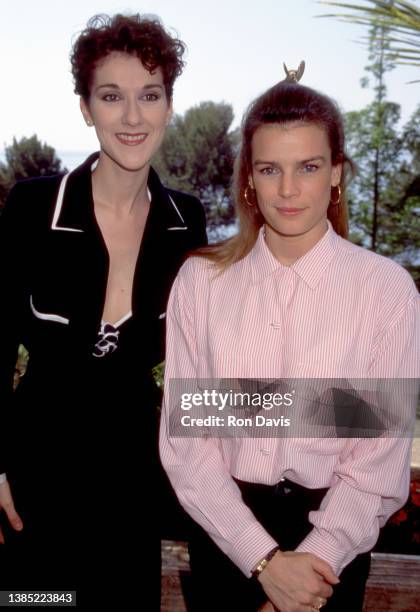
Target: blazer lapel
81	250
162	248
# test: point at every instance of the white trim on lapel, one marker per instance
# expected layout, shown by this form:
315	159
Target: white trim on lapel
177	227
44	316
58	207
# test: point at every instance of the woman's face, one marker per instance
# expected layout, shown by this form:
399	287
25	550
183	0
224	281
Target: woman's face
129	109
292	174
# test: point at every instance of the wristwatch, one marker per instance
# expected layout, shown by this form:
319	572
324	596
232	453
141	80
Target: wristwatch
260	567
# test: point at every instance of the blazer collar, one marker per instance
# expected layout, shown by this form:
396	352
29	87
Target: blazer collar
74	208
163	204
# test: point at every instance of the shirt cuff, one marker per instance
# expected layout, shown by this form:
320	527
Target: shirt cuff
252	546
3	478
327	549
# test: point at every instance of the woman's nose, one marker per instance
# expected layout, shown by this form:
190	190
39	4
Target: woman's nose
288	185
132	113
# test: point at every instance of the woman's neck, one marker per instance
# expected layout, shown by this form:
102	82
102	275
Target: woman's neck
118	190
287	249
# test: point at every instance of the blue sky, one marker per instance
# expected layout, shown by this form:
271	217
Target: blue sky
235	50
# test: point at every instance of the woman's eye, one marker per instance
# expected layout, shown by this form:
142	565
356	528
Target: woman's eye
268	170
111	98
310	168
151	97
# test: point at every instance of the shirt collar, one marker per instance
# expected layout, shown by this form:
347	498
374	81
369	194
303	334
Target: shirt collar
74	210
310	267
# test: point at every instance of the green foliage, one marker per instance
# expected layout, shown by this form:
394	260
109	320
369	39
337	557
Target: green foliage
379	61
158	373
400	18
384	199
398	178
364	135
26	158
381	118
197	157
21	364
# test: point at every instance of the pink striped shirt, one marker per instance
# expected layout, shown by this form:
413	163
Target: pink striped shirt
339	311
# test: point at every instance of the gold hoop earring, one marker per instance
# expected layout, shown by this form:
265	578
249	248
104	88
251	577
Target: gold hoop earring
338	200
251	204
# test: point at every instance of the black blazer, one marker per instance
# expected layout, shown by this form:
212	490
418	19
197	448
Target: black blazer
53	276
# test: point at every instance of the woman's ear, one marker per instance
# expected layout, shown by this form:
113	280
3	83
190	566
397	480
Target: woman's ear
336	175
85	112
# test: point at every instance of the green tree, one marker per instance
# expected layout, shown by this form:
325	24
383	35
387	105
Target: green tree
400	18
374	172
407	205
398	182
26	158
380	110
197	157
385	196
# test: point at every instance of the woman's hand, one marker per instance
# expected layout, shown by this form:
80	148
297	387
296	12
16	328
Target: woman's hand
6	504
293	582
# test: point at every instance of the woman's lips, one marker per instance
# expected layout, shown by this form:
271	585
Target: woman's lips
131	139
290	211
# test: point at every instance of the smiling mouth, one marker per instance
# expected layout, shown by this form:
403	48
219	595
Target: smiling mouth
131	139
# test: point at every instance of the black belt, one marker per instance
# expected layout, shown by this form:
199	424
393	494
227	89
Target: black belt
284	488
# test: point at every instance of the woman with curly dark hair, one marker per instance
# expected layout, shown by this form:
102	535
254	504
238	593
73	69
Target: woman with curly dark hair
88	261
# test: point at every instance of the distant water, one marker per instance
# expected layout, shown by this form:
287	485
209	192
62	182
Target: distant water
72	159
69	159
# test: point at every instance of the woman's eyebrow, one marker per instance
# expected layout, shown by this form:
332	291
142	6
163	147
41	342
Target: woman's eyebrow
261	161
311	159
109	85
303	161
115	86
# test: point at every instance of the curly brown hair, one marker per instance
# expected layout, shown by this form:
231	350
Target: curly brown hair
141	36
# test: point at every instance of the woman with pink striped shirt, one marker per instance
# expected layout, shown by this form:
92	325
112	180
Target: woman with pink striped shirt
286	522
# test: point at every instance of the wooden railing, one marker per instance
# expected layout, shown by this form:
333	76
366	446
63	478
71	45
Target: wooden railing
393	584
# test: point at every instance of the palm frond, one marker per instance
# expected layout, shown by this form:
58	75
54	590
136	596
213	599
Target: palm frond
401	18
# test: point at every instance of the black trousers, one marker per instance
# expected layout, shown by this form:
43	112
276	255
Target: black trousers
89	498
102	540
217	584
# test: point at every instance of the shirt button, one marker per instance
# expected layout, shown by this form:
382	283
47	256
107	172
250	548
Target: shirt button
264	451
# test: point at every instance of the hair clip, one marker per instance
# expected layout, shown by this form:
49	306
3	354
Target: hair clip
294	76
